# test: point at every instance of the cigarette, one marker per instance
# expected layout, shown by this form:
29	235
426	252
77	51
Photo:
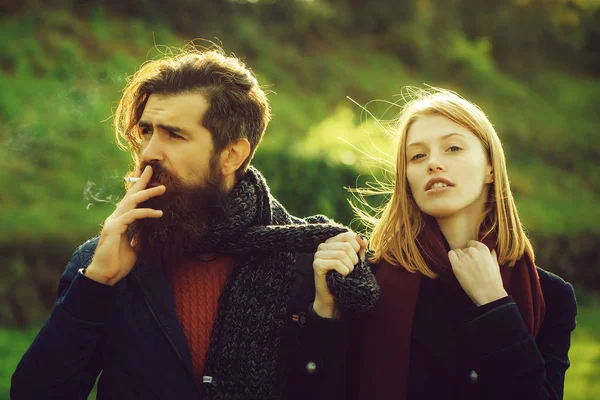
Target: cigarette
131	179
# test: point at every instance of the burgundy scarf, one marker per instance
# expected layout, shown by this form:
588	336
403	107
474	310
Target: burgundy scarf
385	334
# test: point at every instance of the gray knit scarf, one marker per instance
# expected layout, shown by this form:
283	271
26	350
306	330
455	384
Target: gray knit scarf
245	341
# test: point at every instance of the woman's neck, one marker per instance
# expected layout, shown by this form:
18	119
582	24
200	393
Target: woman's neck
459	229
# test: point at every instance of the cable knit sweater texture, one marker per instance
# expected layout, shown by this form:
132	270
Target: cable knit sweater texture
197	286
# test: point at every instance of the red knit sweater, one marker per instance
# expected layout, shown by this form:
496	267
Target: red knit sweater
197	286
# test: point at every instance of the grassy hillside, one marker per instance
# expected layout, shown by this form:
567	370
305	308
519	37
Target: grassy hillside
61	74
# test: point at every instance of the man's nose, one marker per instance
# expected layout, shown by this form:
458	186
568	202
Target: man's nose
152	150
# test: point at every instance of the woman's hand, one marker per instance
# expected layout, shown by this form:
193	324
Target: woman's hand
340	253
478	272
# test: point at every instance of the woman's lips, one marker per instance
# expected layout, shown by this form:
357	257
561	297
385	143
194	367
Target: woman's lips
438	190
436	182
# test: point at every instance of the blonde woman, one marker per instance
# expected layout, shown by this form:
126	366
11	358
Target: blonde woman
464	312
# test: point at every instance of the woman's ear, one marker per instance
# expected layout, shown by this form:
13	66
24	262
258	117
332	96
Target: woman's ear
234	156
490	178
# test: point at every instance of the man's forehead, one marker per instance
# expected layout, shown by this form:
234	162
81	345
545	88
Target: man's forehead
189	107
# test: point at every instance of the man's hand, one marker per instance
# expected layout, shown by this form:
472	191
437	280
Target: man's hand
340	253
115	256
478	272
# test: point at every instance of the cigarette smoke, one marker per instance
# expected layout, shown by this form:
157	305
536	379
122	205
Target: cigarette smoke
95	194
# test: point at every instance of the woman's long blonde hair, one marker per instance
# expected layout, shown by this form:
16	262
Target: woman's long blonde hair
398	222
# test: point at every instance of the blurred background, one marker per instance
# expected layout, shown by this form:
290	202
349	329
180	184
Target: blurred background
532	65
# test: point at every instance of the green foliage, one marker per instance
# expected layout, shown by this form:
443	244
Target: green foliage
13	344
583	378
61	73
310	185
529	64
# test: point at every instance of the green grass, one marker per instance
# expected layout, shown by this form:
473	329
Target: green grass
582	382
13	344
63	73
583	378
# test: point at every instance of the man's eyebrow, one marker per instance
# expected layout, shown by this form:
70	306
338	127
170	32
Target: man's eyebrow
169	128
442	138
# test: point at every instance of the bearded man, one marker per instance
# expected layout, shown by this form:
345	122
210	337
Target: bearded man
200	285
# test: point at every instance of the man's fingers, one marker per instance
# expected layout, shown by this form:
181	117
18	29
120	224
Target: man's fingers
322	266
146	194
144	176
131	201
138	213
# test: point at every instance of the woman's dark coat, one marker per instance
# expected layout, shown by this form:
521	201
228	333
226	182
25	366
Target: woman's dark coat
460	351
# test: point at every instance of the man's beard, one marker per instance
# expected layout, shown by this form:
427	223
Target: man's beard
188	214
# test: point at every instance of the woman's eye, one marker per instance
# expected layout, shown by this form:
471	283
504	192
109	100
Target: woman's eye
417	156
146	131
454	148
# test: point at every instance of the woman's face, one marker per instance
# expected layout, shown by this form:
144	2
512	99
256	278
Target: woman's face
447	168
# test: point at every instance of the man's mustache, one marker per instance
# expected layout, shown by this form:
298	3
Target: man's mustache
161	176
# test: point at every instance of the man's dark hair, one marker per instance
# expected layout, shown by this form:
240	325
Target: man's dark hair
238	108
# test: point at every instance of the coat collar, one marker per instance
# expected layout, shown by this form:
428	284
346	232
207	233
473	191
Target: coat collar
159	302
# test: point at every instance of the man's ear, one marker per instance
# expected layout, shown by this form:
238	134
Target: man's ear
234	155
